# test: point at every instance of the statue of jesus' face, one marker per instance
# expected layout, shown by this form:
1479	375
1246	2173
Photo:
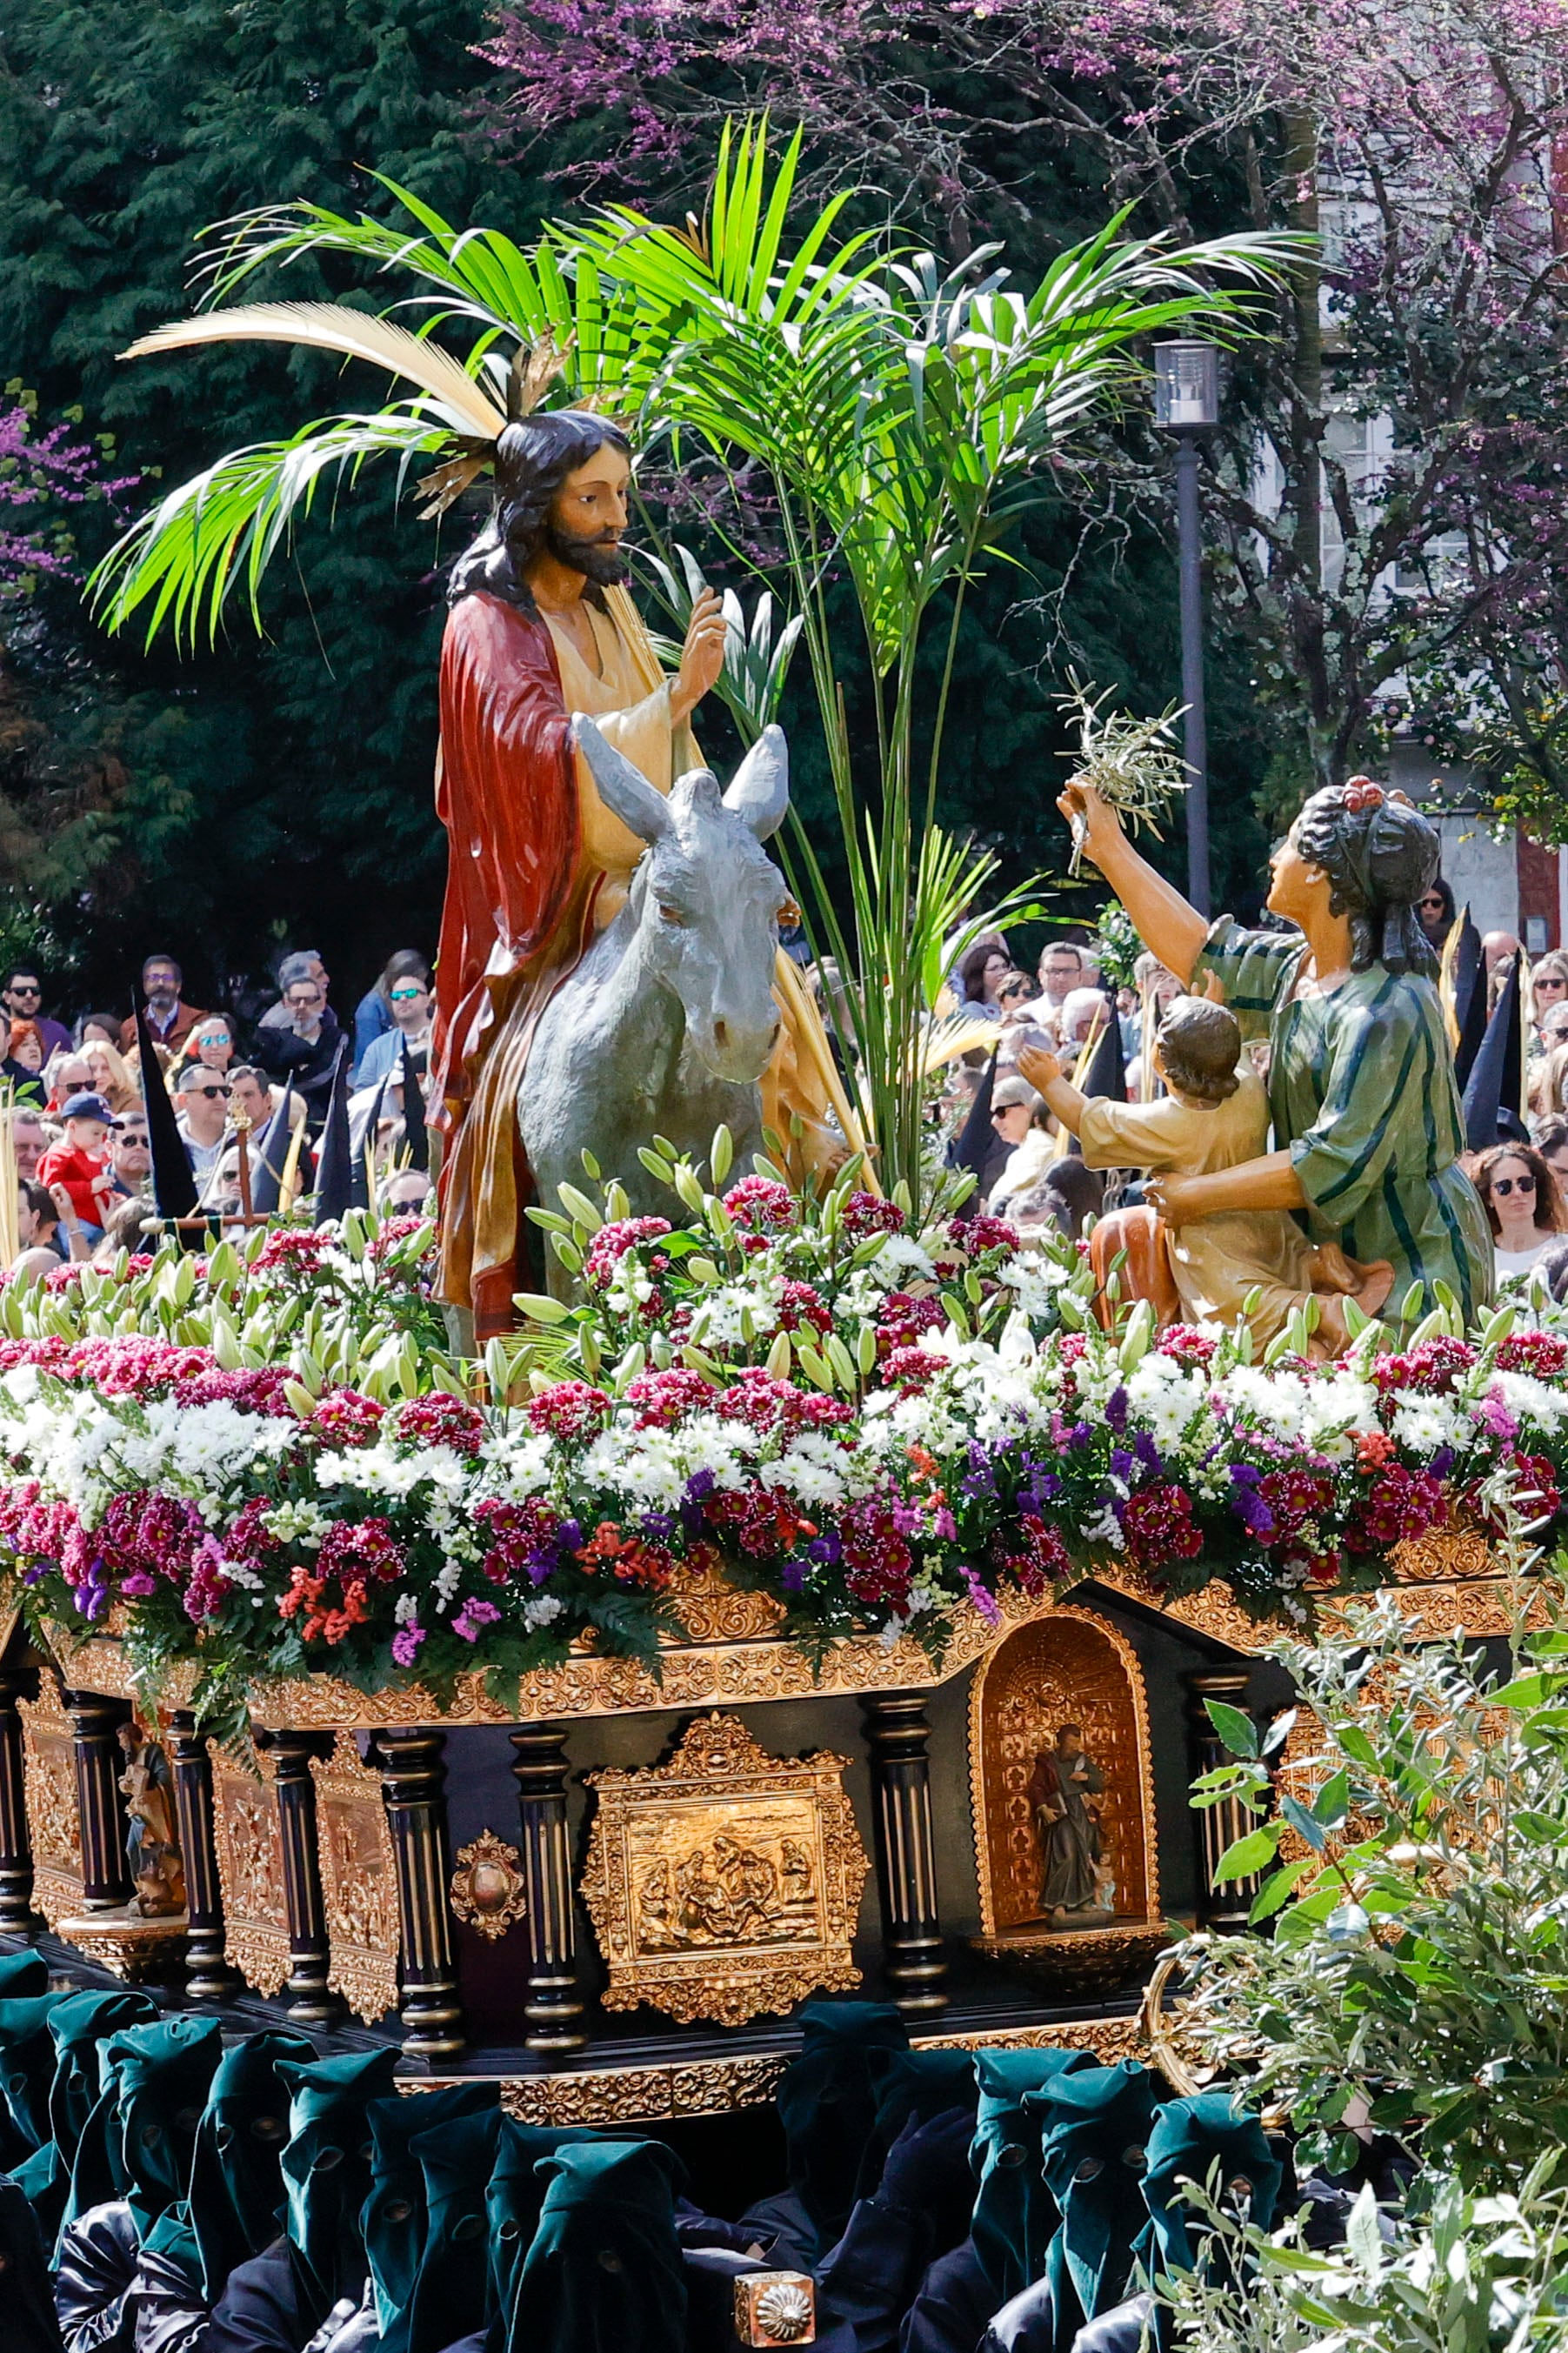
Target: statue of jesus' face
588	517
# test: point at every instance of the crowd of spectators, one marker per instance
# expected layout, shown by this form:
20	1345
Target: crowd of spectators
79	1127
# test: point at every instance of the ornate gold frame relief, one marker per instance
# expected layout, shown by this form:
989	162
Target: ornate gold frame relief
359	1881
49	1784
488	1887
248	1838
726	1883
1063	1799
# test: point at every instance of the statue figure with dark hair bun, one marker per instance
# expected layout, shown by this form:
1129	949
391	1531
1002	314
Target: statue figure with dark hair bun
1365	1112
542	627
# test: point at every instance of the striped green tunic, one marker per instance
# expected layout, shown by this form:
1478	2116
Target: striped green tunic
1362	1088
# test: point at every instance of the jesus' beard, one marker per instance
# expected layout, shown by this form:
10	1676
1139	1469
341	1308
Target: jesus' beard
602	564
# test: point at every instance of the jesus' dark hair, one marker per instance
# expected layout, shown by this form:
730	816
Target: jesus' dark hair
1200	1045
533	459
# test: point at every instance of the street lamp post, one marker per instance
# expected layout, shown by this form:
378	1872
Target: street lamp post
1186	404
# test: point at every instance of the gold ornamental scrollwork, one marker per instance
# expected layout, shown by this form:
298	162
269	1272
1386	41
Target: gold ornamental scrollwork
248	1842
49	1784
712	2088
488	1888
726	1883
359	1881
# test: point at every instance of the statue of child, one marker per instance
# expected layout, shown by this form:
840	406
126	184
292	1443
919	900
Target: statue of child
1216	1115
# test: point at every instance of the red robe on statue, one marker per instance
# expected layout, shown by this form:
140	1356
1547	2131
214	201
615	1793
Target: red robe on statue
506	792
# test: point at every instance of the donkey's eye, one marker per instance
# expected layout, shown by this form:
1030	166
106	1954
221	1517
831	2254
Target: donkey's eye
667	914
788	916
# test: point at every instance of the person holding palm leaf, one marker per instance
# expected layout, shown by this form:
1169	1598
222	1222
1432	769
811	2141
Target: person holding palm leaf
1367	1126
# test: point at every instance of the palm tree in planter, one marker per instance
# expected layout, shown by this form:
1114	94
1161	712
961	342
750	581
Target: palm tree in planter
900	415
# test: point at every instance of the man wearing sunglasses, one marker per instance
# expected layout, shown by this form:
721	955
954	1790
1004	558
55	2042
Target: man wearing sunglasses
130	1158
202	1104
22	996
307	1051
409	998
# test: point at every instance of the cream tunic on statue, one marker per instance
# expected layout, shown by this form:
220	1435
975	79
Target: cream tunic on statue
1216	1260
628	700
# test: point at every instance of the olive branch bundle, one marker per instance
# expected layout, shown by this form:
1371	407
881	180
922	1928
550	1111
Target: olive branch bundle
1132	763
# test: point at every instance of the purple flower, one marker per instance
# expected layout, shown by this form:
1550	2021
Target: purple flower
406	1644
473	1617
1148	1453
985	1600
1116	1411
138	1583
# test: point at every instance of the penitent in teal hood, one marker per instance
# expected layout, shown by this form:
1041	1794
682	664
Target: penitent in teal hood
604	2274
395	2218
1015	2215
326	2169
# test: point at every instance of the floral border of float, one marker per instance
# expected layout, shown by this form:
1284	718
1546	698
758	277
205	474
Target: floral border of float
266	1462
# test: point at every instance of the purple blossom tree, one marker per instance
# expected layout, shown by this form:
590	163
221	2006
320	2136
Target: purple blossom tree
1388	503
47	477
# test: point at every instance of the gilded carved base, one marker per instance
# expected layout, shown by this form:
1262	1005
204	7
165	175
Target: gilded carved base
727	1882
139	1950
1079	1960
710	2087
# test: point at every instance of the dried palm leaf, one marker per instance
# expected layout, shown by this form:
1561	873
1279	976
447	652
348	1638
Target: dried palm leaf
957	1033
1132	763
534	368
357	335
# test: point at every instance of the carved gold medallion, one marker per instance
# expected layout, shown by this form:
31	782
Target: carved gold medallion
487	1889
726	1883
359	1881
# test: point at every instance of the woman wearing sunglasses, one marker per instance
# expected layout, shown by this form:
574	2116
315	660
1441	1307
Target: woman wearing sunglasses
1522	1204
1434	911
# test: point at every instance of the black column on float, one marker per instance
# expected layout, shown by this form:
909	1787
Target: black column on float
208	1977
414	1784
106	1881
913	1959
16	1840
1224	1906
554	2004
310	1999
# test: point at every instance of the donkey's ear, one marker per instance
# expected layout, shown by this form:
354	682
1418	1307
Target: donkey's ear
625	790
759	789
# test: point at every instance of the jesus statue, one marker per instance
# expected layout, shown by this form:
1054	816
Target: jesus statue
542	627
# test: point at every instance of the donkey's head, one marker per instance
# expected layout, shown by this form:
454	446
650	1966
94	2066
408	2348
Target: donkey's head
705	897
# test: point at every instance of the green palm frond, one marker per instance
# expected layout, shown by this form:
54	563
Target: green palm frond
215	534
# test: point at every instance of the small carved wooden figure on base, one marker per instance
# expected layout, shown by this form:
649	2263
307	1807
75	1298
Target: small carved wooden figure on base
152	1840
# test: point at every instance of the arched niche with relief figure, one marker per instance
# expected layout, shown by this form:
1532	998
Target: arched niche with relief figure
1063	1800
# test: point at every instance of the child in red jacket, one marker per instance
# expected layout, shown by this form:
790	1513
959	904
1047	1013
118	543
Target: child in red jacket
79	1161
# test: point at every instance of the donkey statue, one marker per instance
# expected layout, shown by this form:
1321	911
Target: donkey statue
666	1024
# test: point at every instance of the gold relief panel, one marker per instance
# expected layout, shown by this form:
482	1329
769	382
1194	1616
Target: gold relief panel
359	1881
48	1779
1063	1800
249	1846
726	1883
